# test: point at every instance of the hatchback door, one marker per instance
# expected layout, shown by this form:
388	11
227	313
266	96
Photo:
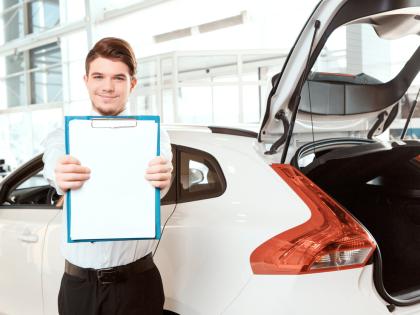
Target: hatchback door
347	73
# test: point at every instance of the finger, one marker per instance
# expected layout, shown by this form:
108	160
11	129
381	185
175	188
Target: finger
68	159
71	177
158	177
160	168
71	168
157	160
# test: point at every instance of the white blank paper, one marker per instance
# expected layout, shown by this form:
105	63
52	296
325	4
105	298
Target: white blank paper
117	202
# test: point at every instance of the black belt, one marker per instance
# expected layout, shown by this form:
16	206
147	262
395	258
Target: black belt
110	275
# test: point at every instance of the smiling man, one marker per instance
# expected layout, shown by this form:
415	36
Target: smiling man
107	89
135	286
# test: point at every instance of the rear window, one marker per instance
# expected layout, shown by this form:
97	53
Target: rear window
352	70
355	53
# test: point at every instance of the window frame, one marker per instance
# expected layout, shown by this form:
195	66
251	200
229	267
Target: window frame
28	72
28	23
171	196
23	173
198	195
29	81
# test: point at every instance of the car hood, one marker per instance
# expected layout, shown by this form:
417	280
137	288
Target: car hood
362	105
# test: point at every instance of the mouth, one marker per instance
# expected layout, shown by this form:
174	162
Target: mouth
107	97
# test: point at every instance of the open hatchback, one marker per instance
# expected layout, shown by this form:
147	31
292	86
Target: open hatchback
329	115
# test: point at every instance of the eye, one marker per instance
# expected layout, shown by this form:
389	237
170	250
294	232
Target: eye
120	78
96	77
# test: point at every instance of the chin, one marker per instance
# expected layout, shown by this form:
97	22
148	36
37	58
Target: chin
108	111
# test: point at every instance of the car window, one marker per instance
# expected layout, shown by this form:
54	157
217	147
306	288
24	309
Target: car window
27	187
34	181
200	175
34	190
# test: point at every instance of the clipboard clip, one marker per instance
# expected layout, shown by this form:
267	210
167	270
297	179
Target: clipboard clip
113	123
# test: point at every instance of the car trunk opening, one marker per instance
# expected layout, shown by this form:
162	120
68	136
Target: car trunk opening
379	183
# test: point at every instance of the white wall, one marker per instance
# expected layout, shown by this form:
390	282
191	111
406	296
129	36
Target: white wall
270	24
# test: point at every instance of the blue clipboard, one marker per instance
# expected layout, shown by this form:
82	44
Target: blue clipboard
112	127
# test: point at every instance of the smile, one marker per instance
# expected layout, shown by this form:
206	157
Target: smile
107	96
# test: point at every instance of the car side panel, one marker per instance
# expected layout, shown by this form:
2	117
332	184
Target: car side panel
21	241
204	253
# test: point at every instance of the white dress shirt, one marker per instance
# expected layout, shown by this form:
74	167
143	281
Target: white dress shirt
98	254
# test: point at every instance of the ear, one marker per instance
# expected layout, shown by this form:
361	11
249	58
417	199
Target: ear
133	84
85	78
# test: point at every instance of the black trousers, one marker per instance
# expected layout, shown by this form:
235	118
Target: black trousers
141	293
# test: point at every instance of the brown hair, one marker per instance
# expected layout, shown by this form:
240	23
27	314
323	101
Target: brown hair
115	49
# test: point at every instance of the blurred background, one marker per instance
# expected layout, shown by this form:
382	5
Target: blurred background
200	62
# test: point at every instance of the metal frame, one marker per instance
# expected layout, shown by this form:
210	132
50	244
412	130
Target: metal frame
236	69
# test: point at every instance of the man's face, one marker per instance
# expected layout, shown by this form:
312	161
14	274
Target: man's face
109	84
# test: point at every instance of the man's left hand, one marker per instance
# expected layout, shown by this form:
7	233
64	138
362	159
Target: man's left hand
159	172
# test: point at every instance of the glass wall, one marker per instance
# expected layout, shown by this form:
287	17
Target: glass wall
43	15
15	80
22	133
206	88
31	79
33	76
20	18
46	74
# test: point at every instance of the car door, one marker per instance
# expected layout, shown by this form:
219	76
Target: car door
184	248
25	212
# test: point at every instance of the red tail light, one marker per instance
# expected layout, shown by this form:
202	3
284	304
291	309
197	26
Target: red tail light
330	240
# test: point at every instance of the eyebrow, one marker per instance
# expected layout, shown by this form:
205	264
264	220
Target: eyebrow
115	75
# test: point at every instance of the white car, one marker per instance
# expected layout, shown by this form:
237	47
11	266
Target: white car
312	215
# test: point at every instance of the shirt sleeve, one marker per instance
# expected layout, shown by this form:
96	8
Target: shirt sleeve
166	152
53	151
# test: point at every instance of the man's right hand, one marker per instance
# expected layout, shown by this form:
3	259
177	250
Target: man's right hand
70	174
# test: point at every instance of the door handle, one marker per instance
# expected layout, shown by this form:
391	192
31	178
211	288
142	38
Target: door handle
28	238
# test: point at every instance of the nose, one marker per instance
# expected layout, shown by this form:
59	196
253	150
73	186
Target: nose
108	86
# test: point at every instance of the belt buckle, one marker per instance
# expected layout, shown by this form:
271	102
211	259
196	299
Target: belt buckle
107	275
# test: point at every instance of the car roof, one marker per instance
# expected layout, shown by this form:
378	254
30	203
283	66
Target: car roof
250	132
